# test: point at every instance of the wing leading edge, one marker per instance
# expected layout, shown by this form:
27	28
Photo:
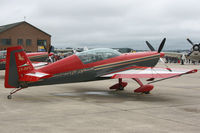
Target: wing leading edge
151	73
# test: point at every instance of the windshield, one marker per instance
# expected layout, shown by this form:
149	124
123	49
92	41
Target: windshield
95	55
2	54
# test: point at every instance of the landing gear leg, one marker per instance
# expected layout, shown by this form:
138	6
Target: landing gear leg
138	81
148	92
9	96
120	85
13	91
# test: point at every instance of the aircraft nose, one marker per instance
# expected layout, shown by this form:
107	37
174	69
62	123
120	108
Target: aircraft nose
162	54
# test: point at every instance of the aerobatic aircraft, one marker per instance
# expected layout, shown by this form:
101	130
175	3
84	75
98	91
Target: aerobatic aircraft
90	65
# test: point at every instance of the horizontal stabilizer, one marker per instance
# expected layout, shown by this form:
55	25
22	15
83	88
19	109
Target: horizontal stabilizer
36	76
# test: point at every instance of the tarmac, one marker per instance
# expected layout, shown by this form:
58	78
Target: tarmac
172	107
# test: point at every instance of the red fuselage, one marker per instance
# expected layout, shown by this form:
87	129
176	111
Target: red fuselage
71	69
73	63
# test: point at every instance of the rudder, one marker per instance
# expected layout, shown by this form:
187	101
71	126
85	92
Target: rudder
17	64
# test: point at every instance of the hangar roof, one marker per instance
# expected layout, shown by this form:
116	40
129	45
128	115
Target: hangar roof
9	26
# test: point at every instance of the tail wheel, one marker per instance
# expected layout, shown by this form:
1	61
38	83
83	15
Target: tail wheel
9	96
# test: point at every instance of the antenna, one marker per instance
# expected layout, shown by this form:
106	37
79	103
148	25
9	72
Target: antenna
24	18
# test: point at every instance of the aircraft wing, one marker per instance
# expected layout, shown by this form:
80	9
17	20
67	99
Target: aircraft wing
39	64
174	54
151	73
39	56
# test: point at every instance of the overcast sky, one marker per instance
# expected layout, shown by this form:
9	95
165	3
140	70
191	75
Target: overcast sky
109	23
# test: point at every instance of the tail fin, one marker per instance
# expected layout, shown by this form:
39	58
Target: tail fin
17	64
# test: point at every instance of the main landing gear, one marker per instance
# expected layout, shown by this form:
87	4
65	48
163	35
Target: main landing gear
119	86
142	89
13	91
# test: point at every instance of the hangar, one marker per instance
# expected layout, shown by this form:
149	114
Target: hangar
31	38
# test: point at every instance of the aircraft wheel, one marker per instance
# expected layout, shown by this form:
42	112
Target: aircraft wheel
9	96
138	93
147	92
121	88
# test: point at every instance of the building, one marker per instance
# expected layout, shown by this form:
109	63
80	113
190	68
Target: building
31	38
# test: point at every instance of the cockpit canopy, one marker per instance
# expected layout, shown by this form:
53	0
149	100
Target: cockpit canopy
98	54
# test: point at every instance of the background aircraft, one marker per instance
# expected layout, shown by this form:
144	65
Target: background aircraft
39	58
91	65
193	55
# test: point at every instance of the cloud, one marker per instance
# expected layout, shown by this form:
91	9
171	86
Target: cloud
109	23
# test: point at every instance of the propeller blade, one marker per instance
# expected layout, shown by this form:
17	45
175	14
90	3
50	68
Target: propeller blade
190	41
150	46
161	45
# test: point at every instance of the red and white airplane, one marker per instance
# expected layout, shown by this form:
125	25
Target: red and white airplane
91	65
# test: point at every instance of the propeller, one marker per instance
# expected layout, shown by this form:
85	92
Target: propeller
196	46
159	50
190	41
150	46
160	47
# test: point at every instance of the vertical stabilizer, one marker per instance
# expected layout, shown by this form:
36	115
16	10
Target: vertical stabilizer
17	64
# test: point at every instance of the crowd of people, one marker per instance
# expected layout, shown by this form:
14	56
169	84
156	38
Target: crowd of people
169	59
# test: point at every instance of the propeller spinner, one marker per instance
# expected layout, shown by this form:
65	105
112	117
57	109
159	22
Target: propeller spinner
196	46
